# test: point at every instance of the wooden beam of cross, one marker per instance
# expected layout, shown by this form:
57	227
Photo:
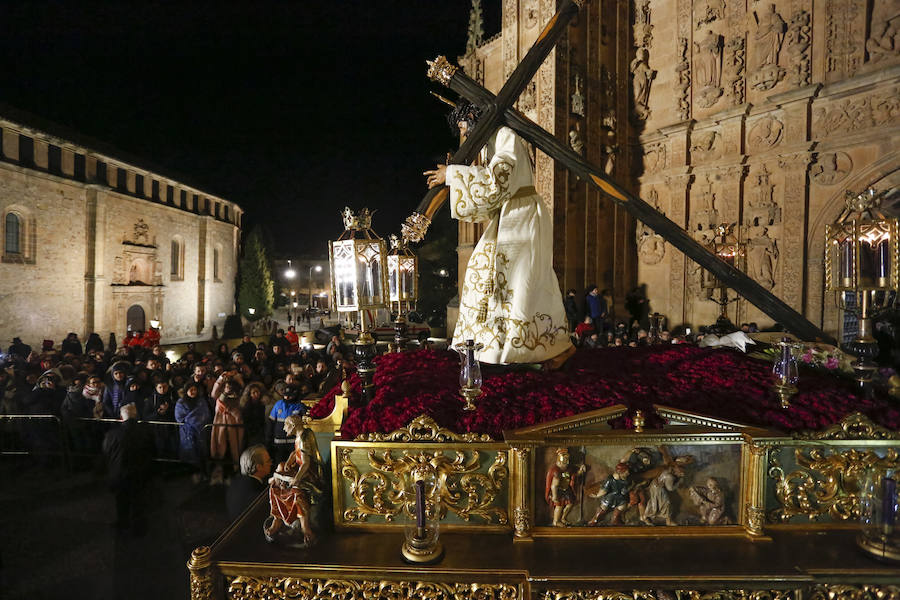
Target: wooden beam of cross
502	113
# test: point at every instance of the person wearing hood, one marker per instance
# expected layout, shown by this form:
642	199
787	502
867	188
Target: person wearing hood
93	343
114	394
160	406
192	411
71	345
42	436
135	393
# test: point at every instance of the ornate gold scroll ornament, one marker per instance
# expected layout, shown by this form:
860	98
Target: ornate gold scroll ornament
265	588
826	483
460	489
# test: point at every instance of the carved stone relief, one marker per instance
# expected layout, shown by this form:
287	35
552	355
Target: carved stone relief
707	11
765	133
798	41
761	208
857	113
683	68
530	12
654	157
528	99
140	234
736	66
608	89
767	40
575	140
651	246
884	38
708	68
831	168
578	97
643	30
705	146
703	199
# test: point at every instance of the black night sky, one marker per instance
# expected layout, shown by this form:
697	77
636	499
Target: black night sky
293	109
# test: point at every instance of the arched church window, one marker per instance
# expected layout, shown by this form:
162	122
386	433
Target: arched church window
13	234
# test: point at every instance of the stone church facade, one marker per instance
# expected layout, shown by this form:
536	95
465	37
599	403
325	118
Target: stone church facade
757	114
95	242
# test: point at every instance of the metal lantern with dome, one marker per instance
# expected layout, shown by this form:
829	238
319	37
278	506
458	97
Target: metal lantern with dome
358	262
403	286
861	267
729	249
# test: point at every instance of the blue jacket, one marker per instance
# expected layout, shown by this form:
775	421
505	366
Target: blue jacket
281	411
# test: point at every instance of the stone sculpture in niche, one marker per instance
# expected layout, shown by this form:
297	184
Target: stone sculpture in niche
575	141
831	168
641	77
761	208
770	28
708	11
708	68
762	257
884	41
704	145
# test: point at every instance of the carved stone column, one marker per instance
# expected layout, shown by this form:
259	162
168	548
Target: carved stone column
523	519
793	237
200	569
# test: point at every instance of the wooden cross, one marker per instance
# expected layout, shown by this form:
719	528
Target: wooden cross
498	110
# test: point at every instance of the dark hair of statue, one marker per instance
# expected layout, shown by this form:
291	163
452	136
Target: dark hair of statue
464	111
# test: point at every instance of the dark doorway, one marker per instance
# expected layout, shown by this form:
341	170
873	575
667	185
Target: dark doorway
135	318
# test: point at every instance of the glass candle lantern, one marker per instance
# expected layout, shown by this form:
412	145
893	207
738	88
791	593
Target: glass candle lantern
421	529
785	373
358	268
879	508
469	372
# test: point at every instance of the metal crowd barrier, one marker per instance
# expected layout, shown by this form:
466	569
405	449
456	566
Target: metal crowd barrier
69	440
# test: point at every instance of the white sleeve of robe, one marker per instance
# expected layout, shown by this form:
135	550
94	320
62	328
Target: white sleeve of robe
477	193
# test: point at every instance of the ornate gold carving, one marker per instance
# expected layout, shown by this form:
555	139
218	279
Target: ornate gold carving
356	222
263	588
826	483
853	592
522	522
856	426
460	488
201	578
414	227
605	594
424	429
441	70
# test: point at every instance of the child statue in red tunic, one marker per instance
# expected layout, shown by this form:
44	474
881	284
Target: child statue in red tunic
296	485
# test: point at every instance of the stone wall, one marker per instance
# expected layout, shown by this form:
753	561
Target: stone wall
756	114
94	243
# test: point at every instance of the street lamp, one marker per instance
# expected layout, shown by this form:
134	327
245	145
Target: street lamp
290	273
862	262
317	269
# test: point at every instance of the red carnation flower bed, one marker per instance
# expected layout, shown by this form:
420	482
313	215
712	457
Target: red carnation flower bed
720	383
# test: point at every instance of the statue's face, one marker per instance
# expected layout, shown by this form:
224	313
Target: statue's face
463	128
562	460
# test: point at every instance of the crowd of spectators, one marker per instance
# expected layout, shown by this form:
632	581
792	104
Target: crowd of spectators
202	409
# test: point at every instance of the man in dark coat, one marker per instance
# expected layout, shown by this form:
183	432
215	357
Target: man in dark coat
19	348
572	313
129	454
71	345
247	348
256	465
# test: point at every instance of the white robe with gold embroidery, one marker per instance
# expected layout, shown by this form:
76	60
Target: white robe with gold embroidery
510	301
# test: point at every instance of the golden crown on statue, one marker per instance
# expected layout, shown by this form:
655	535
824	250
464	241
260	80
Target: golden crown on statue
361	221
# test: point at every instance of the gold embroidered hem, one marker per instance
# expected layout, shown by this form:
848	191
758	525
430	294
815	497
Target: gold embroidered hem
510	299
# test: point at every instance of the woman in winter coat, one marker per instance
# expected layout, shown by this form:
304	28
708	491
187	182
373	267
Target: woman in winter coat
229	435
192	412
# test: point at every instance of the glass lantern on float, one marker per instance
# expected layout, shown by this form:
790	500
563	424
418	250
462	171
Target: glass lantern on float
359	285
879	508
729	249
785	372
403	286
861	267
